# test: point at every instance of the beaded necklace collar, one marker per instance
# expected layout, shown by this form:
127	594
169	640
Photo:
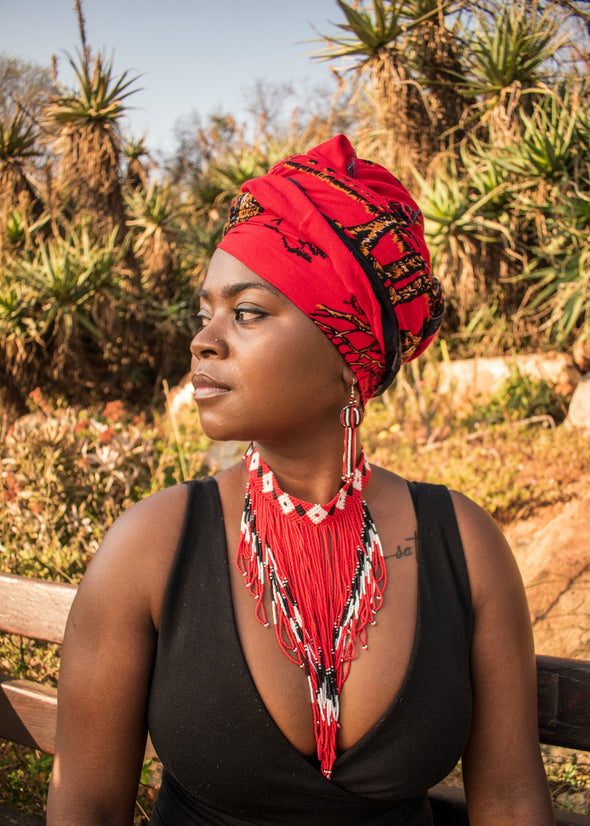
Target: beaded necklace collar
326	573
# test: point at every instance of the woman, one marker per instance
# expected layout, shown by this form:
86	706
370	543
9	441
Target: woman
401	636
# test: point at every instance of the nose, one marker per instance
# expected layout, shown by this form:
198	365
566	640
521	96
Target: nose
206	344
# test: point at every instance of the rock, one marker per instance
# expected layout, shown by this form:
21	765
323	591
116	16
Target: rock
581	351
574	801
221	455
579	410
181	396
480	379
554	560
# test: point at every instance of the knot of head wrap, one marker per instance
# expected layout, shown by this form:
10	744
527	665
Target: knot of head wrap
344	241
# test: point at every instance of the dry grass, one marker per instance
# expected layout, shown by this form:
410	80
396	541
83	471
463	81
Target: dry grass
511	469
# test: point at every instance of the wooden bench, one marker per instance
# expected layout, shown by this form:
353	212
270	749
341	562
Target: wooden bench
38	610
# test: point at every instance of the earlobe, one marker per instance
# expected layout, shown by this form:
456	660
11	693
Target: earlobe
348	376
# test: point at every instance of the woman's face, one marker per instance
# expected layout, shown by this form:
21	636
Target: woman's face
261	369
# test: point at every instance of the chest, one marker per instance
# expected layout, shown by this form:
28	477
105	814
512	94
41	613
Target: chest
377	671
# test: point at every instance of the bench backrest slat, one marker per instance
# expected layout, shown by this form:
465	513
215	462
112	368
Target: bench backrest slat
28	713
34	608
563	690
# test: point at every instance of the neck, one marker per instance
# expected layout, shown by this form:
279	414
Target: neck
310	473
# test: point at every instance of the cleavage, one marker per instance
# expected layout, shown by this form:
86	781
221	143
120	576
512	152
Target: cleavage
376	674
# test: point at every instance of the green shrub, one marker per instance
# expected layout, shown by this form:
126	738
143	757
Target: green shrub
520	397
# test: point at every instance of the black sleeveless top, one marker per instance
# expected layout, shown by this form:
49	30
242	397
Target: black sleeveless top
225	760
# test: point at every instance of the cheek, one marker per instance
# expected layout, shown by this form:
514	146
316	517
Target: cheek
309	366
321	356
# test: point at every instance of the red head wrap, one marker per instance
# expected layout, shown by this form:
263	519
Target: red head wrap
344	241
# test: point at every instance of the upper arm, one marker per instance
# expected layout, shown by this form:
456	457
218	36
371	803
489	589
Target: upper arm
502	767
106	666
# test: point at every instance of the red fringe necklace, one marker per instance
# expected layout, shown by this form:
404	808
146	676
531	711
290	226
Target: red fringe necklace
325	570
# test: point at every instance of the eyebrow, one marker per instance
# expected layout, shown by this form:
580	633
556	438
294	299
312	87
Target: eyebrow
232	290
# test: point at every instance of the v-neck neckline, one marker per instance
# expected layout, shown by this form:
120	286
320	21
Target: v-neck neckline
389	711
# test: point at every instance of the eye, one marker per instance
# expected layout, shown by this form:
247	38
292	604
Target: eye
244	315
197	321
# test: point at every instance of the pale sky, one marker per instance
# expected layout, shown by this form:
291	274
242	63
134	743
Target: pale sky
191	54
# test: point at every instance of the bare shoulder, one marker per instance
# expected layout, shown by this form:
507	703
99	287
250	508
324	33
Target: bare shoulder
493	571
133	562
149	525
385	483
390	503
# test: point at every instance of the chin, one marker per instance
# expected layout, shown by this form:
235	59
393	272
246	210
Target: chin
224	431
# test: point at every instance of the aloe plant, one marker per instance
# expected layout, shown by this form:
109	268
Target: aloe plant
17	147
99	98
366	34
404	52
513	48
493	188
154	231
558	271
52	297
452	211
561	297
20	232
17	140
544	150
89	141
134	151
152	215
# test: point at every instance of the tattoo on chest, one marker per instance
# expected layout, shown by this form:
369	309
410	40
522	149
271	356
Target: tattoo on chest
406	549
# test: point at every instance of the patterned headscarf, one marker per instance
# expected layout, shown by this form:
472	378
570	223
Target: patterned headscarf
344	241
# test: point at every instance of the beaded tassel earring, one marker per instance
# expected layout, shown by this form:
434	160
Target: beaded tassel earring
351	417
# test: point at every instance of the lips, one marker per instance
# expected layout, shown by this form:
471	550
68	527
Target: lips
207	387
